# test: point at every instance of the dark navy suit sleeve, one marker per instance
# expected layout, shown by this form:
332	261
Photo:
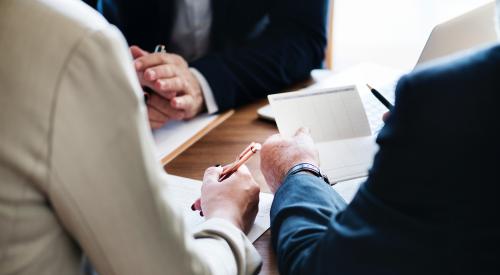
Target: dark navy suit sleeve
290	47
300	216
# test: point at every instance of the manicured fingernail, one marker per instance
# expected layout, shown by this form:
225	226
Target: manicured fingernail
138	65
175	103
161	84
150	75
217	165
192	207
201	213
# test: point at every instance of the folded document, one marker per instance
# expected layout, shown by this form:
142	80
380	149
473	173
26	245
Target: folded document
339	125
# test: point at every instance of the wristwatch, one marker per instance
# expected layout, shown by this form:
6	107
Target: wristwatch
307	167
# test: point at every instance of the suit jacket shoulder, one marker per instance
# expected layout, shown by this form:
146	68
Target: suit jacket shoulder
444	120
430	203
472	69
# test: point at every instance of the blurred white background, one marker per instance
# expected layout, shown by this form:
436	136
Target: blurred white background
388	32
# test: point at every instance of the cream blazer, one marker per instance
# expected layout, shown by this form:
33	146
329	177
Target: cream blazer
77	169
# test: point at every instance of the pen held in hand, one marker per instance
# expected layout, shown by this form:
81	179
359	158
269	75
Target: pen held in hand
229	169
381	98
242	158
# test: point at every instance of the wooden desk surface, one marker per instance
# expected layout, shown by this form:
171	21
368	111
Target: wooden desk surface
221	146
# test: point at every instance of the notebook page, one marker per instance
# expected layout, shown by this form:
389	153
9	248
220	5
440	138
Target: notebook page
347	158
181	192
348	189
330	114
384	79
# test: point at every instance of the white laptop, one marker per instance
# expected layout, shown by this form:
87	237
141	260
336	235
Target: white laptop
471	30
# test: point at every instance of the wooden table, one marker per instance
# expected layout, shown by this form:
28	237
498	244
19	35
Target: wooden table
221	146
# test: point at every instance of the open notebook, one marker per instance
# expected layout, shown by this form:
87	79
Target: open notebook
339	125
182	192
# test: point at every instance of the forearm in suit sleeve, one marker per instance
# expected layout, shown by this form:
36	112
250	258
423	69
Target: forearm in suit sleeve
300	216
285	53
313	234
105	179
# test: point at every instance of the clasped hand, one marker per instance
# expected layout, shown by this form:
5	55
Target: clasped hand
176	95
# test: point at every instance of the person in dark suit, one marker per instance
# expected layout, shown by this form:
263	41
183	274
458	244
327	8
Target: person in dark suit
430	204
220	53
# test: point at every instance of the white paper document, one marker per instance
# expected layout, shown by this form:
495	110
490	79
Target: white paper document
347	159
181	192
348	189
176	133
384	79
339	125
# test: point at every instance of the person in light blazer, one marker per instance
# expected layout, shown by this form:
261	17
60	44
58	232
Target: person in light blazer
430	203
77	170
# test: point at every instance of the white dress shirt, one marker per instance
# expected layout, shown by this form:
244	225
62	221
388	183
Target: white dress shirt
191	39
77	168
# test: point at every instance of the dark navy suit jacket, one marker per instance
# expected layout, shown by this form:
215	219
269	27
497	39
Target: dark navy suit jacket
258	46
431	204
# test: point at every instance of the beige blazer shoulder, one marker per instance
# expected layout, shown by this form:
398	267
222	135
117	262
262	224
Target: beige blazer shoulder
77	169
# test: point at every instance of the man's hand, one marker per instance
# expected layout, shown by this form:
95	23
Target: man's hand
235	199
177	93
279	154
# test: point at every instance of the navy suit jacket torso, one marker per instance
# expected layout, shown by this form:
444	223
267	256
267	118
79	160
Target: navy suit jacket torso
431	204
257	47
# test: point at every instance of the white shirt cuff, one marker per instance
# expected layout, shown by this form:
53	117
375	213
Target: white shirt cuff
208	95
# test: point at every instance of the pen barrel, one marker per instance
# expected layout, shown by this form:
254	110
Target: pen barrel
226	174
243	157
382	99
228	170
